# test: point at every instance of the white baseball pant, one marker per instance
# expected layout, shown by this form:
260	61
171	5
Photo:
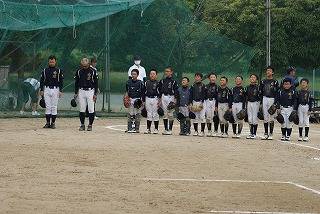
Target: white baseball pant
165	100
132	110
152	108
200	115
303	115
222	108
236	108
252	111
267	102
210	107
51	98
286	113
86	99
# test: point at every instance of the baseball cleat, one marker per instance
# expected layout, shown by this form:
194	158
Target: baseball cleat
287	138
82	128
234	135
225	135
300	138
147	131
209	134
201	134
35	113
53	125
270	137
215	134
155	131
283	138
265	137
195	133
249	136
306	139
22	112
253	136
238	136
47	126
89	128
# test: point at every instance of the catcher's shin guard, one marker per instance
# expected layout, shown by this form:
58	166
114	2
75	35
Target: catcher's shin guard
137	127
129	125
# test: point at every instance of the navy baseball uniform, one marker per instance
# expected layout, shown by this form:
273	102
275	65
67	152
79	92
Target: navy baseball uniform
183	101
253	97
197	97
210	104
152	94
223	104
238	100
304	102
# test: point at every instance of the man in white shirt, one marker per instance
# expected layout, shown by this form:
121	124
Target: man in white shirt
142	72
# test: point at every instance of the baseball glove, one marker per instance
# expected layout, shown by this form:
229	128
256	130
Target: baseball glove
272	109
171	105
280	118
241	114
196	107
126	101
180	117
260	115
215	119
160	111
192	115
293	116
73	103
42	103
144	112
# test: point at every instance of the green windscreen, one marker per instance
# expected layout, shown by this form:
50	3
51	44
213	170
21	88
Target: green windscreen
162	32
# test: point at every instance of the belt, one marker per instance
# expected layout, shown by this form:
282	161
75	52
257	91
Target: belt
85	89
152	96
303	104
210	99
197	100
286	106
51	86
166	94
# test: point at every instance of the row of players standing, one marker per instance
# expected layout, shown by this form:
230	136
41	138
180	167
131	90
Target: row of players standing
208	104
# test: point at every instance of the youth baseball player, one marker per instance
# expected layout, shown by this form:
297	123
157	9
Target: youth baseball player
51	83
183	99
223	104
151	101
304	99
142	72
136	91
253	97
86	90
197	97
269	88
30	88
210	104
238	100
168	90
286	103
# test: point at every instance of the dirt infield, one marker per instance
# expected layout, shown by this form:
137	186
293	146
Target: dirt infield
109	171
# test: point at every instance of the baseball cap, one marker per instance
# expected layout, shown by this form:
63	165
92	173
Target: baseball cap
290	69
137	57
94	59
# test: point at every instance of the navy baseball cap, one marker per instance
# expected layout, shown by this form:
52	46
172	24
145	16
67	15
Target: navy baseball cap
290	69
94	59
137	57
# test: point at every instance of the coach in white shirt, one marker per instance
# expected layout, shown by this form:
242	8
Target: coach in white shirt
142	72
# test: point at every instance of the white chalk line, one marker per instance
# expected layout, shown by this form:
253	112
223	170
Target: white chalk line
234	181
287	142
254	212
316	159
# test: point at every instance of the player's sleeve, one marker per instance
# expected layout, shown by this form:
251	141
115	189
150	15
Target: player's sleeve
230	99
278	94
216	104
178	98
295	101
160	88
61	79
127	86
191	94
76	82
310	100
143	91
203	93
129	72
96	81
261	86
175	87
42	80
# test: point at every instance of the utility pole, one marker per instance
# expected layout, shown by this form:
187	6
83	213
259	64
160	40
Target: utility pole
268	34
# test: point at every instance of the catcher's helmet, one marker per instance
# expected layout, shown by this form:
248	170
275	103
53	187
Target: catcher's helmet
280	118
196	107
160	111
192	115
272	109
293	116
180	116
215	119
171	105
137	103
144	112
260	115
241	114
73	103
42	103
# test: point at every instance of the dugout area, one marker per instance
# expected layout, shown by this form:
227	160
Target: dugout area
108	171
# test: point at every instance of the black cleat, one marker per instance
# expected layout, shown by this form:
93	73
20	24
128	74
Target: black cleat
82	128
89	128
47	126
53	125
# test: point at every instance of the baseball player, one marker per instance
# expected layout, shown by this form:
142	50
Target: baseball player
304	102
223	104
197	97
51	83
269	88
253	102
238	100
183	99
168	90
30	88
136	91
142	72
210	104
93	64
151	101
286	103
86	89
291	72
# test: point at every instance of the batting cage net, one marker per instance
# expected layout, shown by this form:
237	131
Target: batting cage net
162	32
